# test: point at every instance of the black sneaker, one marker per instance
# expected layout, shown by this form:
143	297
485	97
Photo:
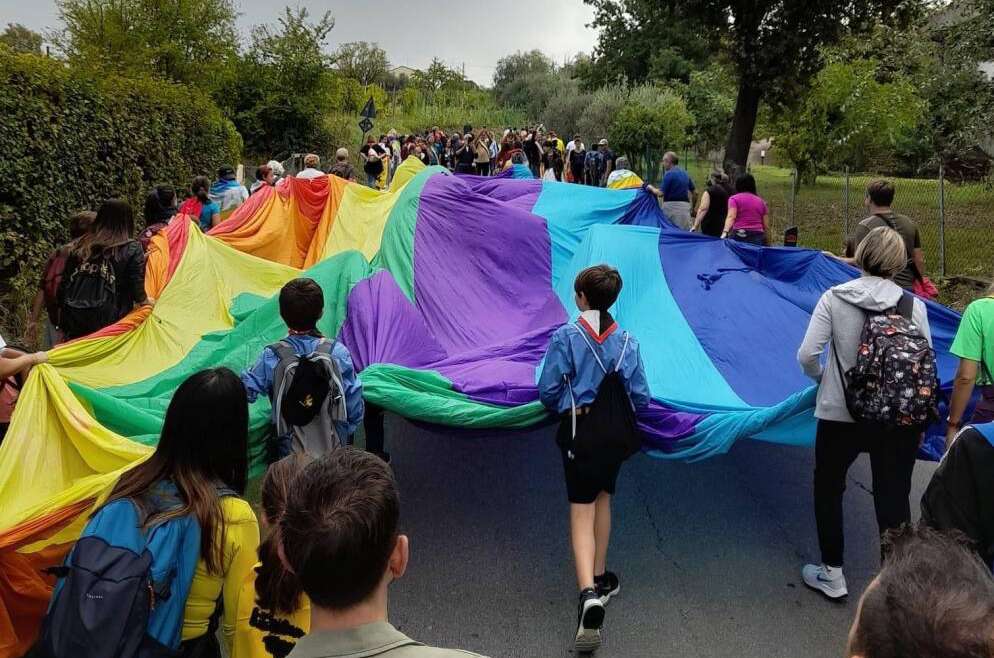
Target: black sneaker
590	618
607	585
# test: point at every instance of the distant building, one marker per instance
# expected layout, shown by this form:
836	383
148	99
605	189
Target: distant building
402	71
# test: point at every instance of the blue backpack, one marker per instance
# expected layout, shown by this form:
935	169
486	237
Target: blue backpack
122	590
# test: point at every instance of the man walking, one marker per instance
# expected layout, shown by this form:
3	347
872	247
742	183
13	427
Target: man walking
677	192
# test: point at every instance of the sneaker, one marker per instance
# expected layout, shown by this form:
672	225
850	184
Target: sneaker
590	618
825	579
607	585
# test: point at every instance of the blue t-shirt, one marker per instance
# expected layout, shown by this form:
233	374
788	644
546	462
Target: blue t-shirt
206	212
677	185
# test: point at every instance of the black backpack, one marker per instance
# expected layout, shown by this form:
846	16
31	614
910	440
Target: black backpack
88	295
609	431
307	390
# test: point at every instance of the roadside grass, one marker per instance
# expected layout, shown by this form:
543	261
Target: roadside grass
824	217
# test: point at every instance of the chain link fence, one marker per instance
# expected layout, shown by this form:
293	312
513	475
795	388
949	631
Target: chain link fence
955	219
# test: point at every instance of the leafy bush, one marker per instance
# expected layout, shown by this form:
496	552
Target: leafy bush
651	121
71	138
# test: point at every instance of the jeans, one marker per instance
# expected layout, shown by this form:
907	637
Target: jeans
892	461
751	237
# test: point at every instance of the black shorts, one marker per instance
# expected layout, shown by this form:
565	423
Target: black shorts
585	479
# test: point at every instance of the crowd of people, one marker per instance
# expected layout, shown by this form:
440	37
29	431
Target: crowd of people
310	577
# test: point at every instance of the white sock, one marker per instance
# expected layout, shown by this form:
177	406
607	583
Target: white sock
833	573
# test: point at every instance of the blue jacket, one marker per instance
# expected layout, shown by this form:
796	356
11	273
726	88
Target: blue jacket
259	378
569	357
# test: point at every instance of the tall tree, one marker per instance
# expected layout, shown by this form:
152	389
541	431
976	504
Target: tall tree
21	39
362	61
773	45
187	41
643	40
283	89
520	64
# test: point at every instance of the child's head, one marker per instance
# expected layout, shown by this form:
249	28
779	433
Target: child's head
277	589
80	223
301	304
339	531
597	288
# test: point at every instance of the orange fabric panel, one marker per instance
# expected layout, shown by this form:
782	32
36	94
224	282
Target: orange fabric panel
24	589
279	223
336	190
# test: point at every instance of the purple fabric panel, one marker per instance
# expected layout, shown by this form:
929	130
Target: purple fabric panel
516	192
500	374
382	326
662	426
482	272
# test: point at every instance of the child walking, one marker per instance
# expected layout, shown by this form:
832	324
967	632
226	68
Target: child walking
310	380
594	379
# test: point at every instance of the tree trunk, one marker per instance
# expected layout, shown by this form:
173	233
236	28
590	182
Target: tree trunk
743	123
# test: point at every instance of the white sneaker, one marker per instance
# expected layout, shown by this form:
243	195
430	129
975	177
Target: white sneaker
825	579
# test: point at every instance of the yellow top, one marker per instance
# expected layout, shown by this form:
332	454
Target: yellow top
259	633
241	541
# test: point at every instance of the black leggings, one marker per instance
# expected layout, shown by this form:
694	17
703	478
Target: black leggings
372	423
483	168
892	461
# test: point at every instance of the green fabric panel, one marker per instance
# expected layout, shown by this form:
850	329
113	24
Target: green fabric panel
428	396
396	254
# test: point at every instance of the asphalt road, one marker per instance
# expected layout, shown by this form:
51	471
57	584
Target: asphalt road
709	554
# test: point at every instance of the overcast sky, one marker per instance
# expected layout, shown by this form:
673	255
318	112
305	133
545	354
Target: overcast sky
470	32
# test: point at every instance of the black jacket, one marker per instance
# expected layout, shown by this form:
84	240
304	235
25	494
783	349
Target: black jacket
961	493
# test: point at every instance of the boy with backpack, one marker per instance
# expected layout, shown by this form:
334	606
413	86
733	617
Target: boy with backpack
311	383
593	378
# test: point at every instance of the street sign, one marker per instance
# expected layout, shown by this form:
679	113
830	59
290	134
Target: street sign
369	109
366	125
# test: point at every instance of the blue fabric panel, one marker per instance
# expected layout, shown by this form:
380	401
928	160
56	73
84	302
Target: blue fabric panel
678	369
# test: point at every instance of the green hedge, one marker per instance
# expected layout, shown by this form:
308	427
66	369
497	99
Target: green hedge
70	138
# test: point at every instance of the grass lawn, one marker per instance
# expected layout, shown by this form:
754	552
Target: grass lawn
823	216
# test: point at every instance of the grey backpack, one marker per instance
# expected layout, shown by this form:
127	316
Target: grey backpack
308	399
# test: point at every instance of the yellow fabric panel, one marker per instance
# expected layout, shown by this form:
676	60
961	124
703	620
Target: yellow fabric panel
364	212
194	303
56	453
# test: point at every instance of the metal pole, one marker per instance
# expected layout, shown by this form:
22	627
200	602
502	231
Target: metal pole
845	204
793	196
942	218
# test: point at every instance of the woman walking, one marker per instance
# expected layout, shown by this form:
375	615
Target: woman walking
838	321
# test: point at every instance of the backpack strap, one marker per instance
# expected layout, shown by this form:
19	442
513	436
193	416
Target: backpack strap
586	340
906	306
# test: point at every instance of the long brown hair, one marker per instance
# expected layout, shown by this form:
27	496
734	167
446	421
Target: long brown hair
204	445
113	226
277	589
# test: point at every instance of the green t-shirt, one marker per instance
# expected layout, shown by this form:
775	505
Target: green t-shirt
975	337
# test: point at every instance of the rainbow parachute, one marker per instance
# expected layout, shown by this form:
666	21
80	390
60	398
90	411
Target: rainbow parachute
446	290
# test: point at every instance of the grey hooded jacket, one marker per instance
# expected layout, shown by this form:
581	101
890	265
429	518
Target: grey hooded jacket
837	321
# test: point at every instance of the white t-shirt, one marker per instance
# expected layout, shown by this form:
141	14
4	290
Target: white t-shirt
310	173
3	343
